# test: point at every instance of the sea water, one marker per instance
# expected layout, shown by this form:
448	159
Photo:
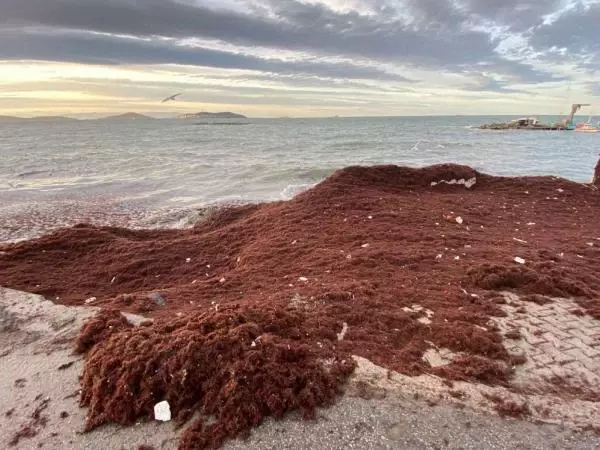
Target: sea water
157	173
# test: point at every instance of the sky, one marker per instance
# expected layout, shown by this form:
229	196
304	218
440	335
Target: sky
309	58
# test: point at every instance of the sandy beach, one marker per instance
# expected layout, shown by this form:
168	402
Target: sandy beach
400	308
39	368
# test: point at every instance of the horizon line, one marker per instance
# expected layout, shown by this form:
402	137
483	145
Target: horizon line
166	116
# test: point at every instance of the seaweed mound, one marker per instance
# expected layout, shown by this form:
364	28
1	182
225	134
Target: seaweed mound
257	308
224	370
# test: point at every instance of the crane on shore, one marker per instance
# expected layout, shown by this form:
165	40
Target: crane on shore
574	108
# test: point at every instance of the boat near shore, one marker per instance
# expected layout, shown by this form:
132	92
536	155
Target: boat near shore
587	127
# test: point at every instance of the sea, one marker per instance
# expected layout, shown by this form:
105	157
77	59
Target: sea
161	173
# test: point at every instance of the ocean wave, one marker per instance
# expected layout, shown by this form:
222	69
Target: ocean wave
222	123
292	190
32	173
359	144
296	175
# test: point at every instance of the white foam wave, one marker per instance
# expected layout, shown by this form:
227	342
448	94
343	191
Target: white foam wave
292	190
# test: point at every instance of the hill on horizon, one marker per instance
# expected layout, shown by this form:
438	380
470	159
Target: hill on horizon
16	118
217	115
128	116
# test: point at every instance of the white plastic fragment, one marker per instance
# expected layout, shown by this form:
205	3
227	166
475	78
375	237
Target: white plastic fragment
90	300
187	260
370	217
530	224
222	280
162	411
590	244
470	182
303	279
113	280
459	220
519	260
469	295
466	183
341	334
439	257
364	245
521	241
457	258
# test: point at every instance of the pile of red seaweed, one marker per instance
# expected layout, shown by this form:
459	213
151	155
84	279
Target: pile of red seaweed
381	262
232	367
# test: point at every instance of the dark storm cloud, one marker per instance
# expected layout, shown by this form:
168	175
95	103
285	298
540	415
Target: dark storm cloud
577	31
432	34
105	49
519	15
516	72
293	25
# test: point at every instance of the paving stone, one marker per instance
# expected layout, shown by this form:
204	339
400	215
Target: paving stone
543	360
586	348
568	345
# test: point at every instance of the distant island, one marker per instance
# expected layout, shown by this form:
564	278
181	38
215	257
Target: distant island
49	118
208	115
57	118
128	116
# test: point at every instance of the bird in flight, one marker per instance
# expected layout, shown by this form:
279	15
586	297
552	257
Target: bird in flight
171	98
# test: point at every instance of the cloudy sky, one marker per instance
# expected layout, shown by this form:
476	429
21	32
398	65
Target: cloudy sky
299	57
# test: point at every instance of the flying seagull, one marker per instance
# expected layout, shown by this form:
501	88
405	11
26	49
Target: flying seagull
171	98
